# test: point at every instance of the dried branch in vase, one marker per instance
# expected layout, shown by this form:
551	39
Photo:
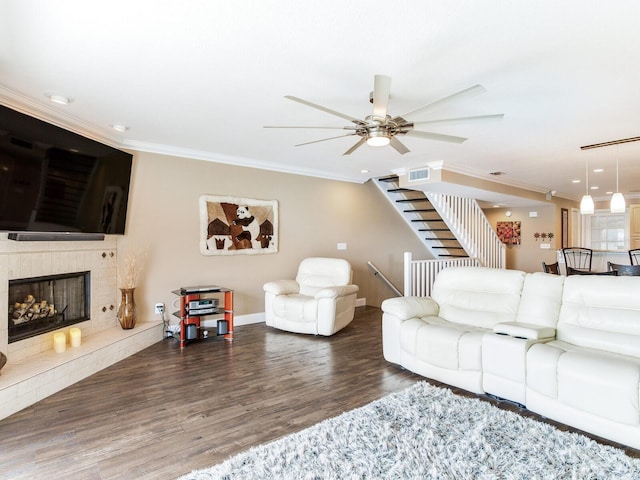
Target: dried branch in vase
131	268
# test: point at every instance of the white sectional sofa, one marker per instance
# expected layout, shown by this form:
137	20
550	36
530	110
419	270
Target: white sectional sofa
567	348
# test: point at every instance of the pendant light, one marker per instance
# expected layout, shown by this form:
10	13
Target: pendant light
586	204
618	204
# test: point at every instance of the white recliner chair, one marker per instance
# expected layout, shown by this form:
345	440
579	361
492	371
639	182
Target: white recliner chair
320	301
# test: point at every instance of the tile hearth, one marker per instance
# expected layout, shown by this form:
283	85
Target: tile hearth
28	381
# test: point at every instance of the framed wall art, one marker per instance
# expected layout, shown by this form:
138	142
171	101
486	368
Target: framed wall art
238	226
509	232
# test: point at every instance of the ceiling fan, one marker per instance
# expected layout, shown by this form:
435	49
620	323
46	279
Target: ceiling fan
380	128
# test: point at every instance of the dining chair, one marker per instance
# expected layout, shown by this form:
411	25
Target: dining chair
551	268
577	258
634	256
624	270
575	271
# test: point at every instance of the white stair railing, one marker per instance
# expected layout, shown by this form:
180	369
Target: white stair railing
420	274
468	223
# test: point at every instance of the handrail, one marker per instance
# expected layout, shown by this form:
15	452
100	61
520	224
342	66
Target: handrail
385	279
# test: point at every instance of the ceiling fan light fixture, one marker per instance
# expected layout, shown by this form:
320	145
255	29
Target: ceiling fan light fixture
378	138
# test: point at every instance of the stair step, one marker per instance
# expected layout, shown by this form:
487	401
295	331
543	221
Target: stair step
418	210
409	200
392	178
448	248
399	189
433	229
426	220
453	256
441	239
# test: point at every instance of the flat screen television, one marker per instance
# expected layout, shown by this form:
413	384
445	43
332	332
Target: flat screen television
54	180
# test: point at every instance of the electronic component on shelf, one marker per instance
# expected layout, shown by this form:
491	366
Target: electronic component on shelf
197	312
203	303
204	289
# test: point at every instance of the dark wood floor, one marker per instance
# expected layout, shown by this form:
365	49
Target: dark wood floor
164	412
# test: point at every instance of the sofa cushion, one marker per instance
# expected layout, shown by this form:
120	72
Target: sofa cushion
442	344
601	383
478	296
601	312
317	273
296	307
541	299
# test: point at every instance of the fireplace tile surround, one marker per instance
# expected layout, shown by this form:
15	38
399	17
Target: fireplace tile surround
33	370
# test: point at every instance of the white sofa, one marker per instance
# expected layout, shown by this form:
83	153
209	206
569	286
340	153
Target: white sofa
567	348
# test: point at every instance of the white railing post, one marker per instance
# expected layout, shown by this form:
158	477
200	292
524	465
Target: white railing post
408	277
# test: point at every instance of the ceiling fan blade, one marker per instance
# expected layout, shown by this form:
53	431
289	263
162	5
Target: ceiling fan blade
297	126
327	110
435	136
468	92
497	116
325	139
381	89
398	145
361	142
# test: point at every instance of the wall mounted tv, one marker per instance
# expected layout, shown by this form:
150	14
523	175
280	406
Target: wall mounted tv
53	180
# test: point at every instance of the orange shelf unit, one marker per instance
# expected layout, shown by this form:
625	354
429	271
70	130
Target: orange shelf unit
190	294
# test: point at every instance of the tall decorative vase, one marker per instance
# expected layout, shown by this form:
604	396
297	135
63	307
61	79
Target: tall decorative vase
127	310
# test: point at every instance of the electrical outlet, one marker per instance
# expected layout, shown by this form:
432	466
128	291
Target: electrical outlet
159	308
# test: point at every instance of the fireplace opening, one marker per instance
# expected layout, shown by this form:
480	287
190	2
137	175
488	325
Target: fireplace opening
42	304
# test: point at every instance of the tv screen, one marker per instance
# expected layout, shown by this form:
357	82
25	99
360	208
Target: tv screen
54	180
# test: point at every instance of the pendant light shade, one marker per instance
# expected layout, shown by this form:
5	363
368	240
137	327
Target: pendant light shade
586	204
618	205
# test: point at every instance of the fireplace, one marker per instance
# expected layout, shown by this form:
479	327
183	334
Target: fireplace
42	304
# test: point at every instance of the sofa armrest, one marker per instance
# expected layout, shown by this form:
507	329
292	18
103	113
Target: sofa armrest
335	292
281	287
527	331
409	307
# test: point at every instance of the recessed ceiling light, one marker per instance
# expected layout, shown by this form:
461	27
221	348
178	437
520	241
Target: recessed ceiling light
595	188
118	127
575	181
608	193
59	99
598	170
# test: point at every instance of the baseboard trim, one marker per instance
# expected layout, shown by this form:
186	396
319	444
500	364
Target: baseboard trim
361	302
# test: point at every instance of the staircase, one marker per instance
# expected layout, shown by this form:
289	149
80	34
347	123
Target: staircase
450	227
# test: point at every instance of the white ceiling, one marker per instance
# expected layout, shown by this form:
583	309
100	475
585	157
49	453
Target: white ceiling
202	77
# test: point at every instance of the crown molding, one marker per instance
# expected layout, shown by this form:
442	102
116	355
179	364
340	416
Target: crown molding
233	160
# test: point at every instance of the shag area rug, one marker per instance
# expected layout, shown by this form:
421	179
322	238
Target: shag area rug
426	432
